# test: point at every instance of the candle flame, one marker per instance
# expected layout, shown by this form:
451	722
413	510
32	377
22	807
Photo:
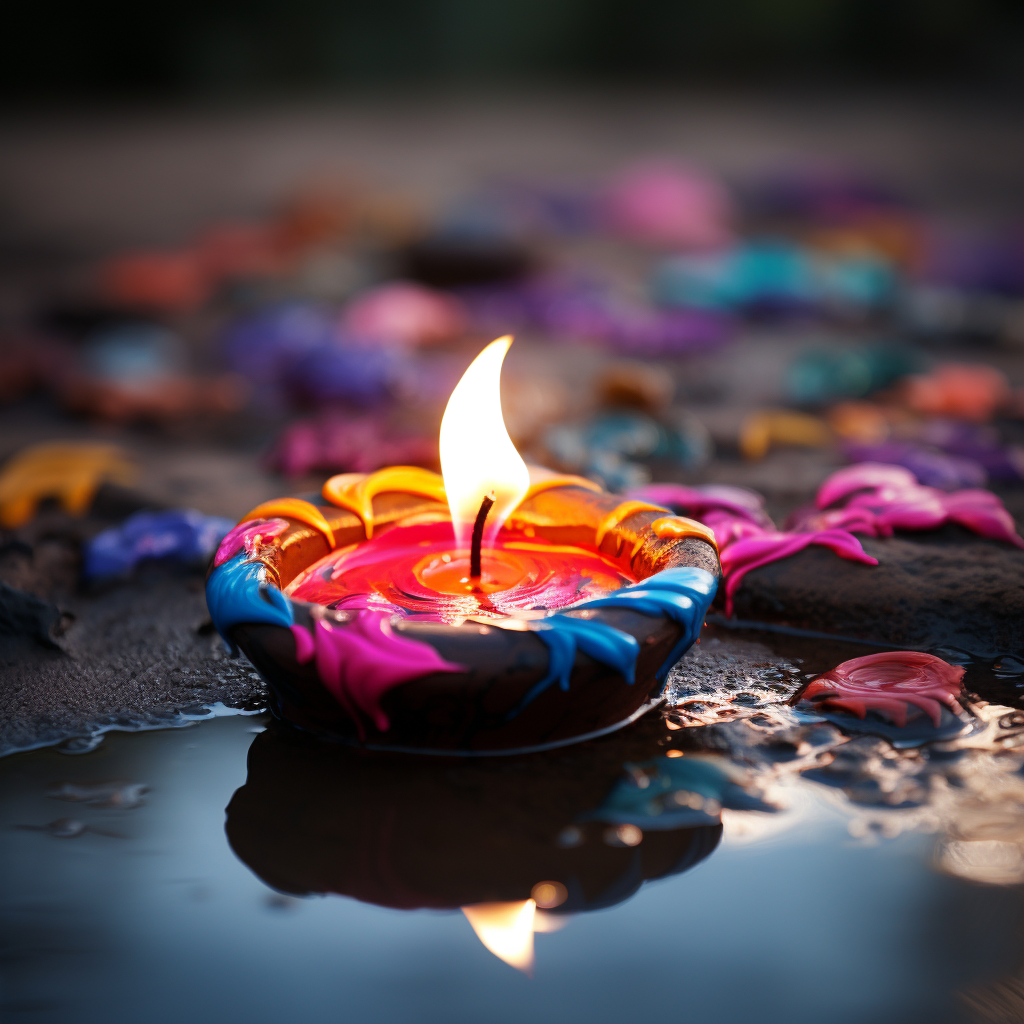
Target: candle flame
506	929
478	458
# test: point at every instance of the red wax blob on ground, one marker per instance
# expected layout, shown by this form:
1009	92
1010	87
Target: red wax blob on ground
417	568
887	683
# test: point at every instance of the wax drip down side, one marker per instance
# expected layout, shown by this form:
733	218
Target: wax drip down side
417	568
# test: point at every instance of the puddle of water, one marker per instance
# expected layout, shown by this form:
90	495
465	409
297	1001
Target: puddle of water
180	719
141	909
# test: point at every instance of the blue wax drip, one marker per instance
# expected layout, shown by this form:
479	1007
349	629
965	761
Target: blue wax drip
562	635
646	805
683	594
237	591
183	535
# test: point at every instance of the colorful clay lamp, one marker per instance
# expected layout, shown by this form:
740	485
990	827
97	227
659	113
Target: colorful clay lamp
493	610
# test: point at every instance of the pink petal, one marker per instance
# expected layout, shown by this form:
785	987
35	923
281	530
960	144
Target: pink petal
889	682
863	476
984	513
304	646
745	555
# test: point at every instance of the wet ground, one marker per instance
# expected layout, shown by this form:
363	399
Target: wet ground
847	881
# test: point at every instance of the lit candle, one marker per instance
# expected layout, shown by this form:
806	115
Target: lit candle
467	562
392	590
479	462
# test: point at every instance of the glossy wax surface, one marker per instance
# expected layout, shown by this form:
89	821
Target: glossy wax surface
418	568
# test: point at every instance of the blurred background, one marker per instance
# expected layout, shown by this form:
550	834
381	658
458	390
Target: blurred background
259	243
246	246
222	48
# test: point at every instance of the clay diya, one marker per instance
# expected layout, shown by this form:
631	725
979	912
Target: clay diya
492	610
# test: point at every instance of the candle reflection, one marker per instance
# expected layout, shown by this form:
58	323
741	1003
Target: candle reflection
518	845
506	929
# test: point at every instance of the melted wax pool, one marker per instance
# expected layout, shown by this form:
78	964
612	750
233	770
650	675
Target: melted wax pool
417	568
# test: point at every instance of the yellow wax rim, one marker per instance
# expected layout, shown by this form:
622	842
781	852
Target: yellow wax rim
293	508
561	481
620	512
356	491
676	528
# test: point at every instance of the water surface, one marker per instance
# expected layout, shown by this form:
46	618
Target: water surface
147	914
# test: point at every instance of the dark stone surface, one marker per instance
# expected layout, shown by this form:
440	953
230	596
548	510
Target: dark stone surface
25	617
134	655
943	589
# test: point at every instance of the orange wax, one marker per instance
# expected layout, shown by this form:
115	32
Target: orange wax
448	574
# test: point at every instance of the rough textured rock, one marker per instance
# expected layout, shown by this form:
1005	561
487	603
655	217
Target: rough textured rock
135	654
947	588
25	616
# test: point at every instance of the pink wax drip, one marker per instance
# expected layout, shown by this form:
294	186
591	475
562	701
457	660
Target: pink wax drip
876	499
747	538
387	572
248	535
888	683
697	501
361	660
752	552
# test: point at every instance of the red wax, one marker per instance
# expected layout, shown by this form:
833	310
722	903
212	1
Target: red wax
417	568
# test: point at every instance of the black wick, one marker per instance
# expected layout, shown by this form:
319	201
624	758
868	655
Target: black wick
475	570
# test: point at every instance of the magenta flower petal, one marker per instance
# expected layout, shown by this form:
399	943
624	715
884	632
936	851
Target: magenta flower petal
874	476
880	499
305	648
888	682
924	514
742	556
984	513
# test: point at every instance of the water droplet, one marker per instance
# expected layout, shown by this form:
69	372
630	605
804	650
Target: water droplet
953	655
569	837
80	744
1008	667
623	835
125	795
